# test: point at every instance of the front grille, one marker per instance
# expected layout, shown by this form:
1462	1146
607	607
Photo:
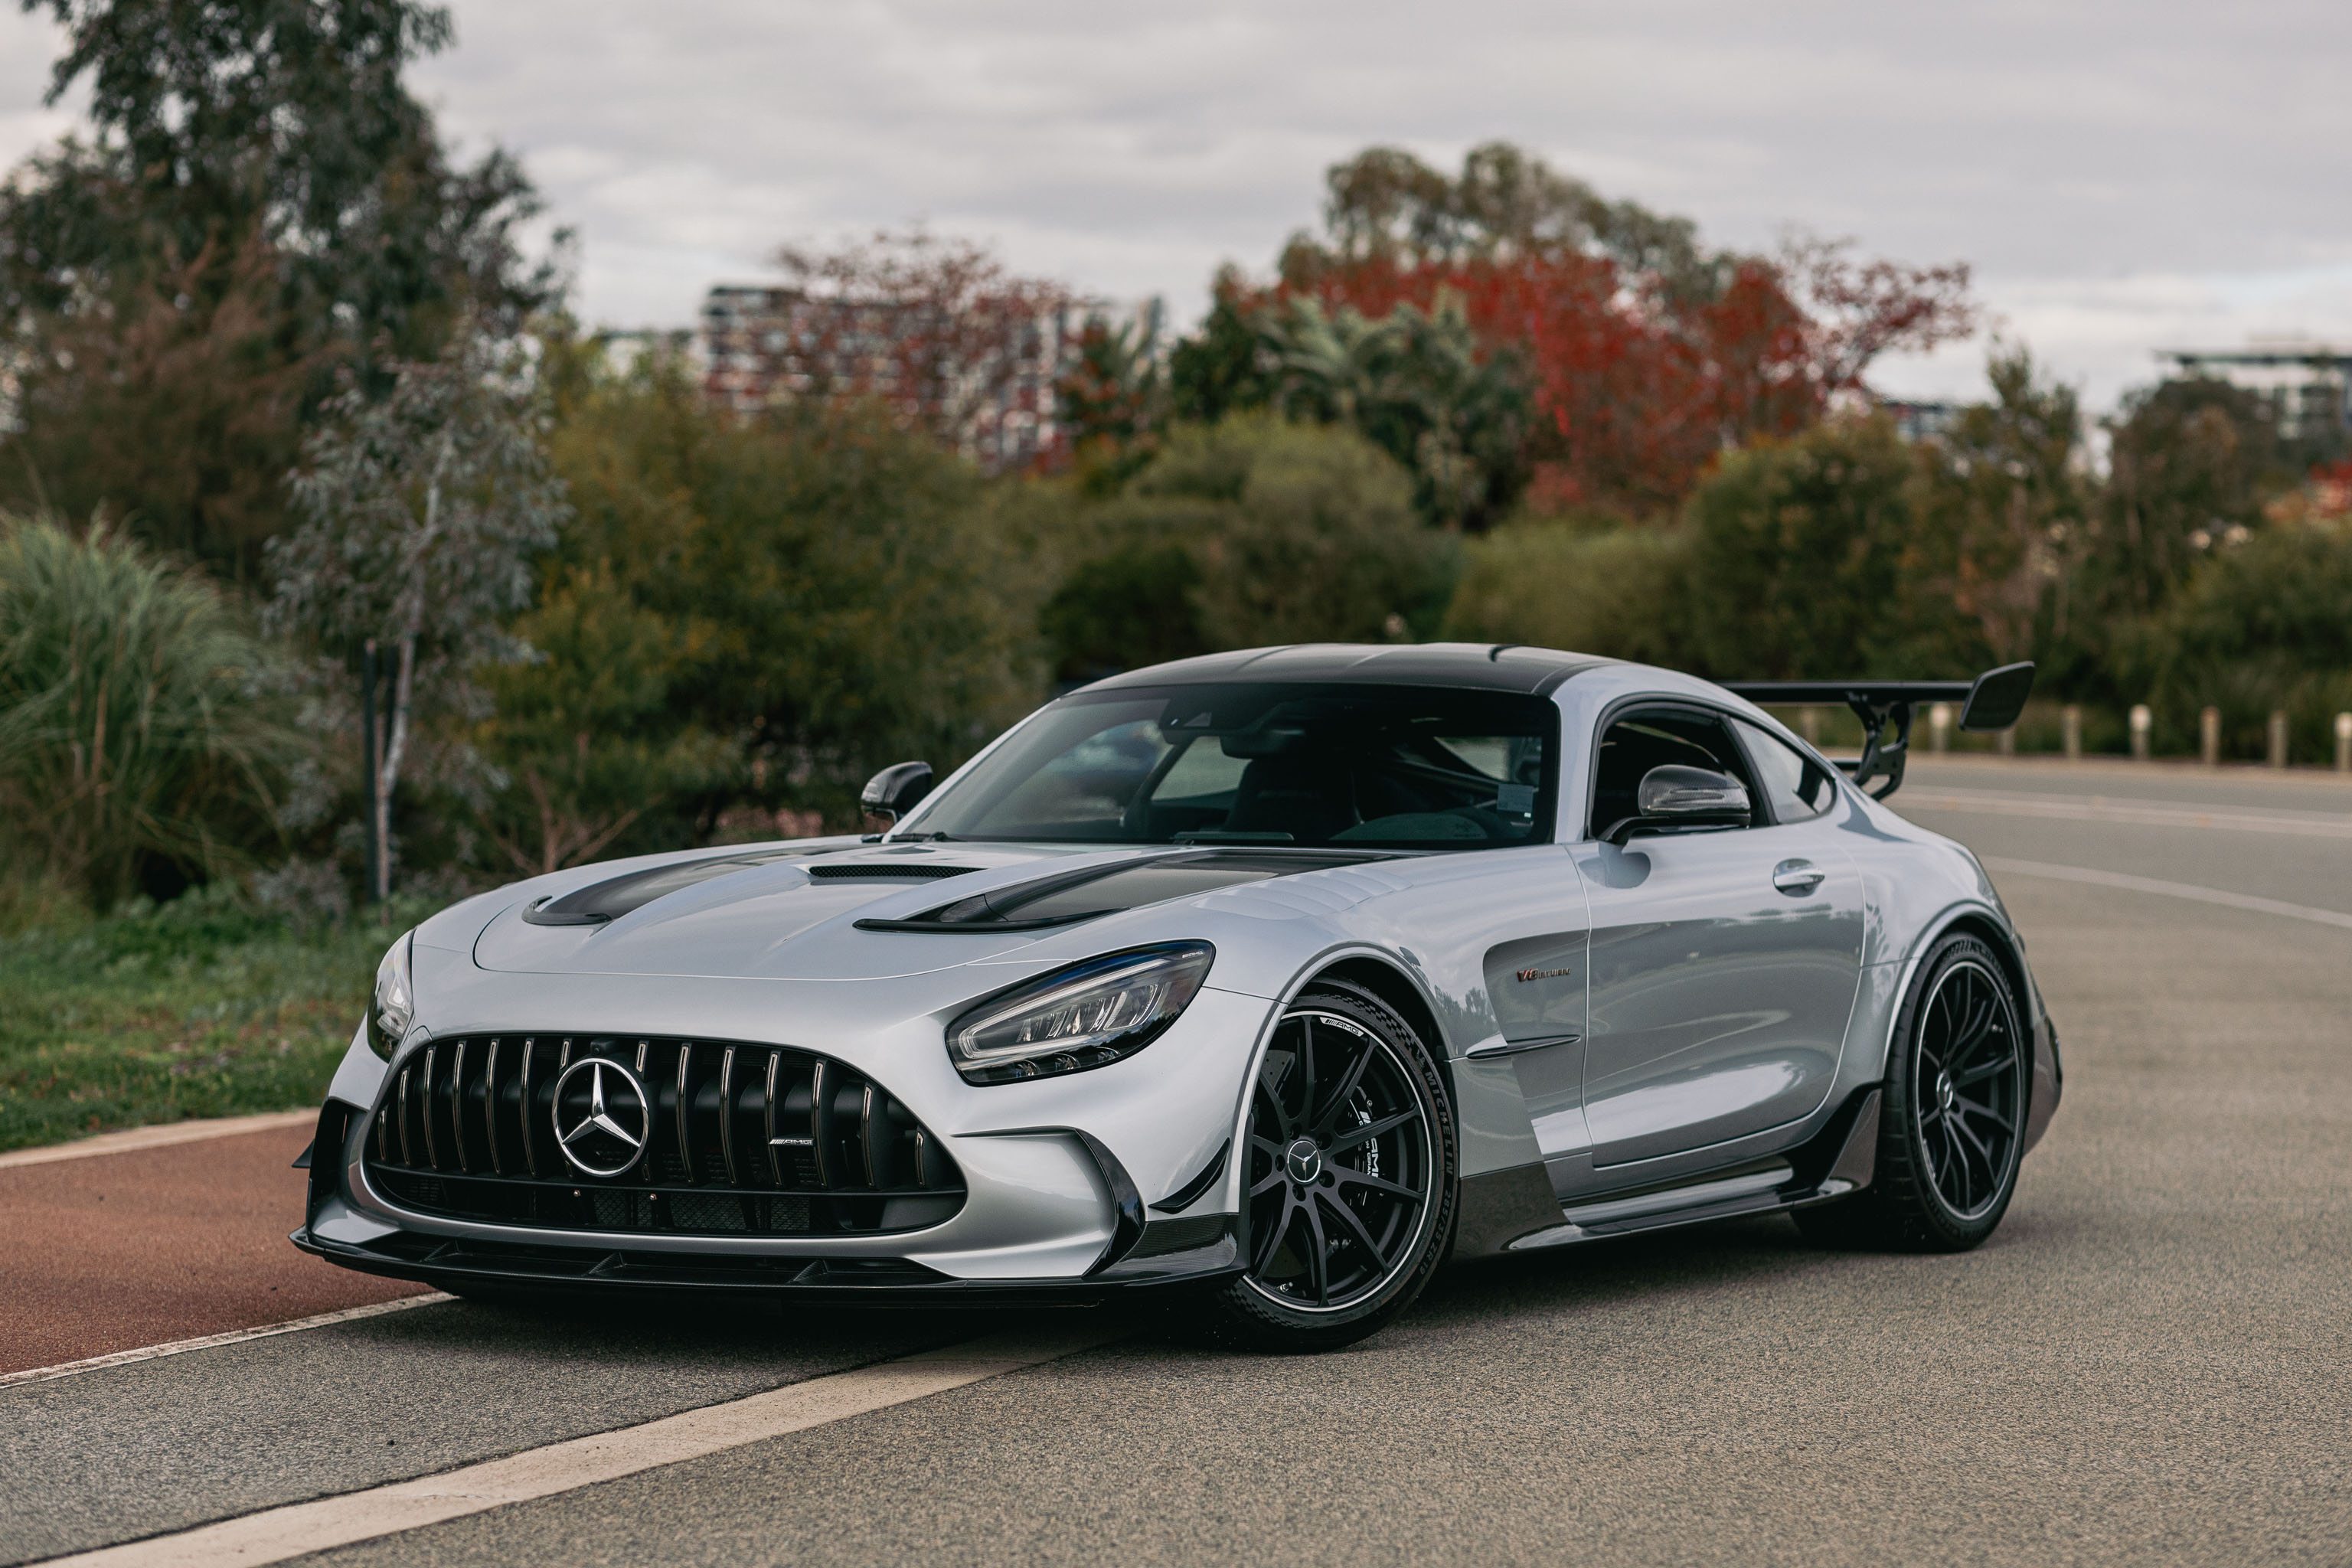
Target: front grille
735	1139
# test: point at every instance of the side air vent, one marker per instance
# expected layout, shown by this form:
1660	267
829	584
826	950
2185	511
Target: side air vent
695	1136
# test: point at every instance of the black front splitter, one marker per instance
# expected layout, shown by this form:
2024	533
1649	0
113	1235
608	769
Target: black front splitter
522	1268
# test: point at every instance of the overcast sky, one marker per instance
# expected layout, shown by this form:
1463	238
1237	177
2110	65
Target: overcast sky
2122	176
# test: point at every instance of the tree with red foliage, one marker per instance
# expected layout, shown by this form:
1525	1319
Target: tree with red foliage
1645	355
1857	310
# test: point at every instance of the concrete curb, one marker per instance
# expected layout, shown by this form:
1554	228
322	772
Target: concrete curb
158	1137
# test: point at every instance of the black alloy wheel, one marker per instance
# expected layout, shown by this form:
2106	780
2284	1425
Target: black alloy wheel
1967	1089
1350	1172
1952	1116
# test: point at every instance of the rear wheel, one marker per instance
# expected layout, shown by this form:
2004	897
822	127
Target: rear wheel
1351	1177
1951	1118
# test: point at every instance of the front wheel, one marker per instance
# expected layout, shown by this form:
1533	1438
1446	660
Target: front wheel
1951	1123
1351	1177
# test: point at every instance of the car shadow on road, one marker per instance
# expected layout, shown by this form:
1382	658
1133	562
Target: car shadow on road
1752	1254
682	1329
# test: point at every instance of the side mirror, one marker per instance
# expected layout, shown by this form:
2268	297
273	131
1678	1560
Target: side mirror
896	790
1673	795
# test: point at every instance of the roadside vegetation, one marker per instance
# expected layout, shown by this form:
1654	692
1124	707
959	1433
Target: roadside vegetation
339	564
202	1006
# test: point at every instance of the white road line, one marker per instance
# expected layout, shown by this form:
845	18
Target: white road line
2138	813
2170	890
278	1533
158	1137
234	1337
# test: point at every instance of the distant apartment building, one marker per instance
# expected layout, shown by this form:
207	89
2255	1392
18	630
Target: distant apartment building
1919	421
2304	382
987	389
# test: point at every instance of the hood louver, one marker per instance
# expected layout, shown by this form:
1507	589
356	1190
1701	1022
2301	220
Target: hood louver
1075	896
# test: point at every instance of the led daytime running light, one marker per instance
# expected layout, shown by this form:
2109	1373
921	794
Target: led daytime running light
1089	1017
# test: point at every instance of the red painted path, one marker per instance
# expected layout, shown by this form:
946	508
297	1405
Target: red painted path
117	1251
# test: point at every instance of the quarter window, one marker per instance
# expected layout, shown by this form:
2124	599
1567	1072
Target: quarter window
1795	785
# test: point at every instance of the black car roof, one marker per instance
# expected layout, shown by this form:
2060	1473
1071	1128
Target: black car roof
1480	667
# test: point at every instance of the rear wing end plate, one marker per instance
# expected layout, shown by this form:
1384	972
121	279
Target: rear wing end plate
1991	702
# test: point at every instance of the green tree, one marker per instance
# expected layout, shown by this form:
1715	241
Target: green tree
1385	203
420	514
1810	561
2189	464
1248	532
2261	625
135	728
1419	385
2003	513
818	590
263	199
1619	592
1226	366
583	731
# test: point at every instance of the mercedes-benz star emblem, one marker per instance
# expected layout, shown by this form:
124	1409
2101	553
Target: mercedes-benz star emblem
601	1121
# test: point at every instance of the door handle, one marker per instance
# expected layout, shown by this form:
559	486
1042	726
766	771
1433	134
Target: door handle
1798	878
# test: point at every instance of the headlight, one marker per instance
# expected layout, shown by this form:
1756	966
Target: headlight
394	1006
1085	1017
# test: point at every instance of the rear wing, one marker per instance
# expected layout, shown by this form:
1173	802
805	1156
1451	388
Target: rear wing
1991	702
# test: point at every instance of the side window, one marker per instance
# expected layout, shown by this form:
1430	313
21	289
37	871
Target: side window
1646	738
1794	785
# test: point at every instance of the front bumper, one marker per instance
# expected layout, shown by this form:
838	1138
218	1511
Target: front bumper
1070	1180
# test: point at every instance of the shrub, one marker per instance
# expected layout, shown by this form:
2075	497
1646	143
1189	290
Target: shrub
1248	532
748	613
1622	592
2260	626
133	727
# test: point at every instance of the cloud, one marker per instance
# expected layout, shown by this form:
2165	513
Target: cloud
2120	173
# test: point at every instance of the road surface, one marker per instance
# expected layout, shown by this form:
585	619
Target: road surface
2151	1362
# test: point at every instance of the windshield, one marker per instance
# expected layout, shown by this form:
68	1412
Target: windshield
1386	766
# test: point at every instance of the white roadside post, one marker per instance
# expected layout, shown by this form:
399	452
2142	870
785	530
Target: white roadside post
2070	724
2142	722
2208	737
2343	742
1940	727
2278	738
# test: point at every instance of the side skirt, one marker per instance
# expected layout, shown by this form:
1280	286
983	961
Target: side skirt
1515	1210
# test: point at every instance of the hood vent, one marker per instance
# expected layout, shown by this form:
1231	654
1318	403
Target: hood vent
872	870
1082	895
617	896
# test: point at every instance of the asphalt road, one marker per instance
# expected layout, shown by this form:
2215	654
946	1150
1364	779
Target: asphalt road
103	1254
2151	1362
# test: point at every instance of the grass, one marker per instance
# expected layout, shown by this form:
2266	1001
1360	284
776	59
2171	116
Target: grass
203	1006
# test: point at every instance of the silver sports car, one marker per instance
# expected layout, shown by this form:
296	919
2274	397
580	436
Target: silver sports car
1279	977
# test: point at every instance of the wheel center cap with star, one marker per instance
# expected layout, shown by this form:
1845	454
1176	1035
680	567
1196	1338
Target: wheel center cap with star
1303	1160
1944	1092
